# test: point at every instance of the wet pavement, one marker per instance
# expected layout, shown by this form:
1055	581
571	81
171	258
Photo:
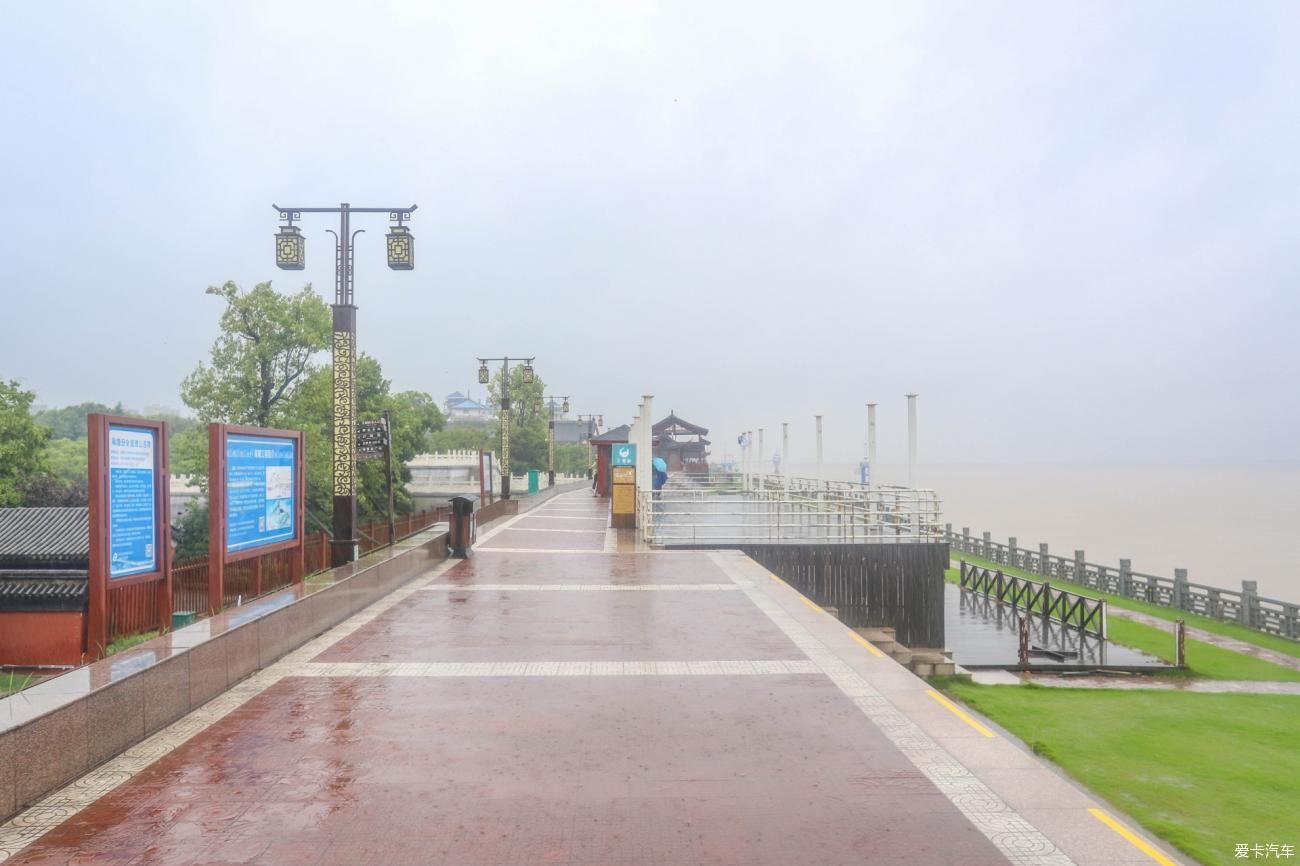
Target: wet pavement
984	633
1167	684
550	703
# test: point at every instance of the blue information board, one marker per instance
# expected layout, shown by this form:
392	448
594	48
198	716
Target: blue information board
132	485
622	455
261	491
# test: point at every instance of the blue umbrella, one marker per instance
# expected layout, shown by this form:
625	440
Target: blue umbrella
658	463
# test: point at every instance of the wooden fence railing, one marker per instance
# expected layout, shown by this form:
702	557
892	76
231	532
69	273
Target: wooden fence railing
1087	615
134	609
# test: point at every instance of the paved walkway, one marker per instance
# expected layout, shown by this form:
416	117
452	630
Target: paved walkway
549	702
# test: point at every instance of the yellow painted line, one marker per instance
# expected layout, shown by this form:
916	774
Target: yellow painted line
959	713
1132	838
866	643
857	637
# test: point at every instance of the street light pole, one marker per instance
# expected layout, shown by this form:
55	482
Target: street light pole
505	410
290	255
550	435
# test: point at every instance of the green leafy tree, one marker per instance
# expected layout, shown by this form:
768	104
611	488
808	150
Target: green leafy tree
66	459
528	417
572	458
266	350
69	422
466	438
415	416
22	443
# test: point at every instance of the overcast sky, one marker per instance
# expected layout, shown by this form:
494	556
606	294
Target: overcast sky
1071	227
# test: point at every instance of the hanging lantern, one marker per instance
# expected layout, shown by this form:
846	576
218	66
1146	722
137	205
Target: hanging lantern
290	249
600	422
482	373
401	248
528	372
565	408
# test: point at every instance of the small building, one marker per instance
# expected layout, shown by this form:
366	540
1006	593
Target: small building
603	442
44	563
682	445
463	411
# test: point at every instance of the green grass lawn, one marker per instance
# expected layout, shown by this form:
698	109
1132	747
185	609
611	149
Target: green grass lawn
125	643
10	683
1204	772
1203	659
1227	629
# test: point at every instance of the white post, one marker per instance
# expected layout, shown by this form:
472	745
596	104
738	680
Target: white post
785	454
646	447
819	455
911	441
871	444
762	485
749	460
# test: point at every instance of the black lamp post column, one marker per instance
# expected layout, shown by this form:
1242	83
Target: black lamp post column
290	255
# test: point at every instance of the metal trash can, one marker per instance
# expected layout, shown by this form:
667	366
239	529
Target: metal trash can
534	480
463	529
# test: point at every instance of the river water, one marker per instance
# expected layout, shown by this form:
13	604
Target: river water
1221	523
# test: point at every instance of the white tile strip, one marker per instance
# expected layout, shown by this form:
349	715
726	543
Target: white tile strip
558	517
1021	842
600	531
478	550
554	669
581	587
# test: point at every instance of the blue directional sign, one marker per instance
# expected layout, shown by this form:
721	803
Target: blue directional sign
261	491
622	455
132	485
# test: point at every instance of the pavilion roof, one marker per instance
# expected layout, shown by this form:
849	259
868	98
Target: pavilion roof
674	426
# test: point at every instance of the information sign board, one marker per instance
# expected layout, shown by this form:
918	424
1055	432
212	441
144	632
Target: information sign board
622	455
261	491
132	501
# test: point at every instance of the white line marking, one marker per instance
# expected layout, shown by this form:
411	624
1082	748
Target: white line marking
581	587
478	550
552	517
543	529
555	669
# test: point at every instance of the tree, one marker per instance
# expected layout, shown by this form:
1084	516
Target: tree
265	351
69	422
22	443
528	417
415	415
462	439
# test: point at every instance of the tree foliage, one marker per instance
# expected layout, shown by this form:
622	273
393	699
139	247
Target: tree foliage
265	351
22	443
69	422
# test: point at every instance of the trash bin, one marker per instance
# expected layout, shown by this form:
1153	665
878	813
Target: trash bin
182	618
463	529
534	480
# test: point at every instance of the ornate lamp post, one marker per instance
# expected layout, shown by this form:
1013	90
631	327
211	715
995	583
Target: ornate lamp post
550	434
290	254
483	379
594	423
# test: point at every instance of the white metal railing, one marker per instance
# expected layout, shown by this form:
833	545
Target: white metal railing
719	510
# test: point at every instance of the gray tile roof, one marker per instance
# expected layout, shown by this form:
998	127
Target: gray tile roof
44	538
42	590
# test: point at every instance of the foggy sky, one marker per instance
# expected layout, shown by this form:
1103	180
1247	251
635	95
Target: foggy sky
1071	227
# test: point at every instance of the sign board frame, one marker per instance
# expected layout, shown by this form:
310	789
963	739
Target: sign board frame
219	553
619	459
100	455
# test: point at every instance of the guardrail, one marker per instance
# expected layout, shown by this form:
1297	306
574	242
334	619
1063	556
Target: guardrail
1079	612
1245	607
686	515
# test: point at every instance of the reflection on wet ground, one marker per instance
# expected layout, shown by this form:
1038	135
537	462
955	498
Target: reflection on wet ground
981	632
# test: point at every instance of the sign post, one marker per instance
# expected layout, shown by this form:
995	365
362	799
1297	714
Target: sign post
622	462
256	502
130	518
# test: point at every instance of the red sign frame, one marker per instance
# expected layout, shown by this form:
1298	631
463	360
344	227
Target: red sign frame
98	580
218	557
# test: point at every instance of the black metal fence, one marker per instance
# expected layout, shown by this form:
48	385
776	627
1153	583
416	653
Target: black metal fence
871	585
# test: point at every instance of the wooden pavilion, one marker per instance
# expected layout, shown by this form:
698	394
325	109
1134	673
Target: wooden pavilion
682	445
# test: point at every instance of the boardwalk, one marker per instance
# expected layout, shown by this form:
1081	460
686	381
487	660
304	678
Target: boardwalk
556	701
